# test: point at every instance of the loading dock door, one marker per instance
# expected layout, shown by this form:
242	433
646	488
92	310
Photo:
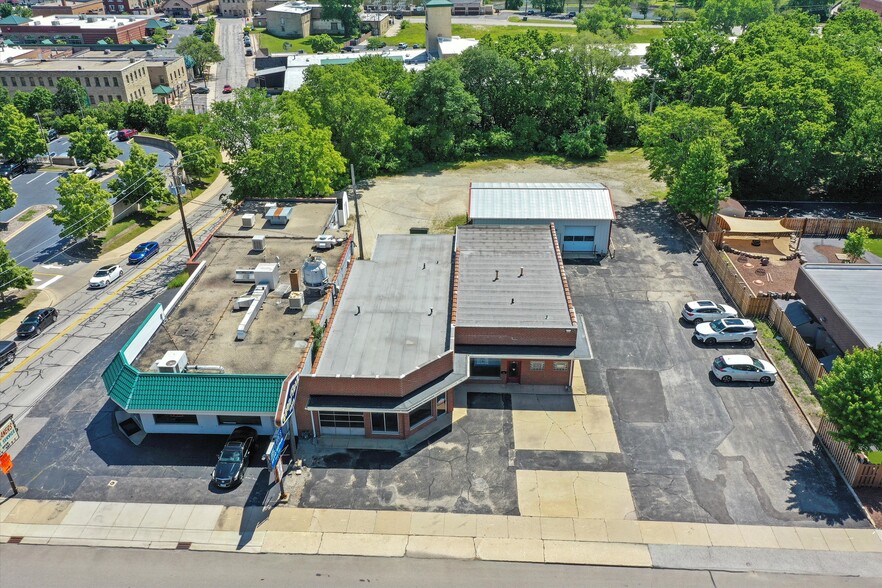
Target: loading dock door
578	239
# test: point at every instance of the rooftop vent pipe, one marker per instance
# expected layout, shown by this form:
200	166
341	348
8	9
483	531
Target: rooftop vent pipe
496	279
521	275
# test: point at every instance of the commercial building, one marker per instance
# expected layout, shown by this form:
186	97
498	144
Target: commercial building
379	22
130	6
236	8
293	20
219	354
582	213
291	75
105	80
164	66
68	7
844	300
188	8
76	29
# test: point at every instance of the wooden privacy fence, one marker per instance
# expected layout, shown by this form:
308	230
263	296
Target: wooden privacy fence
800	349
741	294
833	228
857	470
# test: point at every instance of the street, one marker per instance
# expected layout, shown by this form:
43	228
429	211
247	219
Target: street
232	70
72	567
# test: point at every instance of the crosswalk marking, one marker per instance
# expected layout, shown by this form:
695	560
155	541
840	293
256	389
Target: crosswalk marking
48	283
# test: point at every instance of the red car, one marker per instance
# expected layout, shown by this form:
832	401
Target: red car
228	88
126	134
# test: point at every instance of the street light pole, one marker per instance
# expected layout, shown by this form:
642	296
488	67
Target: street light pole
188	236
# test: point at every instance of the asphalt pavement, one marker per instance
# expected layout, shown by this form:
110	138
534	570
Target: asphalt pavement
232	70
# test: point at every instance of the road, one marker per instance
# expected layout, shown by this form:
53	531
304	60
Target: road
73	567
232	70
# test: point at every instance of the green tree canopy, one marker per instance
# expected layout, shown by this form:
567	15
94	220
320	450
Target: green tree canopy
186	124
140	180
70	97
8	197
198	155
723	15
137	115
346	11
238	124
91	144
856	243
30	103
324	43
606	15
851	396
201	52
112	114
13	276
703	179
84	207
20	137
157	118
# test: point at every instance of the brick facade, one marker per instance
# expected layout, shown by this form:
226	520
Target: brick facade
516	336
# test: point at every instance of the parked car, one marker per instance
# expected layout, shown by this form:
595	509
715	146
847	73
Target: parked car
81	170
143	251
249	52
227	88
699	311
402	45
743	368
730	330
35	322
10	169
571	14
105	276
7	352
125	134
348	49
111	134
248	41
199	90
232	461
51	135
531	12
416	46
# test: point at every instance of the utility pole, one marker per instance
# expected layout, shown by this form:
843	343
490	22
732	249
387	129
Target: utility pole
188	236
192	101
357	217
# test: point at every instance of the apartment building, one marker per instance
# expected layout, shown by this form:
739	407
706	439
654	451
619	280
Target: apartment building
236	8
76	29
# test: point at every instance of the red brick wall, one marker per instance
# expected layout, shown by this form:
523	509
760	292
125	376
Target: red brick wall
515	336
546	377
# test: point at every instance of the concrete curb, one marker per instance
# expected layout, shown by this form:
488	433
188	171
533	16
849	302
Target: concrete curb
8	237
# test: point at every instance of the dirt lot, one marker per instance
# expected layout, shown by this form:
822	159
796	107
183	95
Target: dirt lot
429	197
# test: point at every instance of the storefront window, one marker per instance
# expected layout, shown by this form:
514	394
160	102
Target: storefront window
441	404
485	368
175	419
237	419
384	422
537	366
420	414
561	366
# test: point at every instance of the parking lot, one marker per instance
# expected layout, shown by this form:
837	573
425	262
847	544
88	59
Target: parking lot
695	450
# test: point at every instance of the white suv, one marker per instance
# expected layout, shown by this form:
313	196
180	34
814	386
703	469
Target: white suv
743	368
730	330
699	311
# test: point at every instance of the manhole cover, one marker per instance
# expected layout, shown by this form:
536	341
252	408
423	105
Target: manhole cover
758	282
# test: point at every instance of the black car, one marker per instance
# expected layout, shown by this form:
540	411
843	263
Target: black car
10	169
233	460
7	352
34	323
200	90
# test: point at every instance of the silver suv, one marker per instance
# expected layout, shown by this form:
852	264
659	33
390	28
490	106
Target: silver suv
729	330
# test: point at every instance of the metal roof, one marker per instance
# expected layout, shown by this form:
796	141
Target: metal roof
853	291
542	201
394	315
492	291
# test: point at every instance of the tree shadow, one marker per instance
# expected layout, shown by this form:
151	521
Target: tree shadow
818	492
657	220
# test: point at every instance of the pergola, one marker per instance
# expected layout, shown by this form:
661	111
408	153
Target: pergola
731	225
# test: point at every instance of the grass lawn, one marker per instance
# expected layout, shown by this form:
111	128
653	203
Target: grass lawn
874	246
478	31
28	215
448	227
275	44
13	306
179	280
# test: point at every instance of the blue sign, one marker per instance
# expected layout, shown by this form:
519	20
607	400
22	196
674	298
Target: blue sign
274	452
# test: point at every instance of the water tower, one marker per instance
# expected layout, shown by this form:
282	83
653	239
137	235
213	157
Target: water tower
438	23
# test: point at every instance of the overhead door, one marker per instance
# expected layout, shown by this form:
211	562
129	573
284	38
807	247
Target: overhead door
341	423
578	239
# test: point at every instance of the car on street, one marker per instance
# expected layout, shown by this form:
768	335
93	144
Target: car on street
143	251
7	352
531	12
699	311
111	134
402	45
729	330
743	368
105	276
347	49
10	169
35	322
199	90
571	14
125	134
233	459
227	88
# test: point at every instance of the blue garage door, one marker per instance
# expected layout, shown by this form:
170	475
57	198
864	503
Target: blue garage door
578	239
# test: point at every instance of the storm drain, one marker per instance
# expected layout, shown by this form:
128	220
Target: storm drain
183	545
15	540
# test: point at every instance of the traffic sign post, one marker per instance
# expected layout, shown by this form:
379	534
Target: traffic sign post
8	436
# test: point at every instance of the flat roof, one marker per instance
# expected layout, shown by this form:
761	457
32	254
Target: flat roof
455	45
414	60
71	65
373	16
542	201
149	55
99	21
291	8
854	292
204	324
492	291
394	315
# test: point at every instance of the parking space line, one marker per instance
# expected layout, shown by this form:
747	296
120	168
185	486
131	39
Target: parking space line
52	180
48	283
37	178
103	301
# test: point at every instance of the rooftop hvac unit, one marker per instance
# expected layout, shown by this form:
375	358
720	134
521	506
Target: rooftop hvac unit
295	300
55	23
258	242
173	362
248	220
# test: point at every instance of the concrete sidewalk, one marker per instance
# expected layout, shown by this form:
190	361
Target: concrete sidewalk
441	535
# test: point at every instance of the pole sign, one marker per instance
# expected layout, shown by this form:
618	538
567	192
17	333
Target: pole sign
8	433
274	451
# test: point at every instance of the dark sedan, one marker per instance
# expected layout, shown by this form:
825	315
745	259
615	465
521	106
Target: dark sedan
233	460
34	323
143	251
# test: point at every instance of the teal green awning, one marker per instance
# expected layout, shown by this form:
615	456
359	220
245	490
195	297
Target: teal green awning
101	42
46	42
14	19
135	42
163	90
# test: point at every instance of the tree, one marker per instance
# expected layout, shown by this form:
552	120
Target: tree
159	36
643	7
285	165
186	125
91	144
14	276
70	96
30	103
198	155
669	132
137	115
9	9
608	15
703	180
201	52
7	197
723	15
856	243
84	207
324	43
237	125
20	137
851	396
66	124
346	11
157	118
494	80
112	114
139	180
